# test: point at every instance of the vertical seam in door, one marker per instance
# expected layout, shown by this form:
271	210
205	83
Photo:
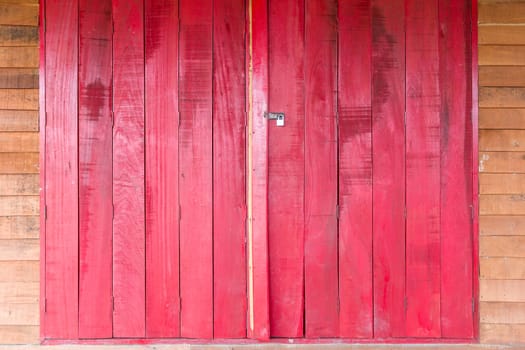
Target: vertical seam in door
78	170
212	169
440	91
337	150
179	209
405	301
112	168
305	221
144	3
371	61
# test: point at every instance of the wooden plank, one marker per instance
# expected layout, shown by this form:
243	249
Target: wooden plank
355	169
257	173
18	78
162	164
229	206
502	225
19	314
19	249
19	271
502	140
18	57
61	241
502	246
19	163
501	55
510	291
423	95
502	76
502	183
19	185
195	180
19	205
18	36
128	170
18	14
286	167
95	169
508	118
19	227
19	334
321	284
497	97
388	144
18	120
502	162
501	12
14	142
501	35
25	2
26	99
19	292
496	204
502	268
502	333
502	313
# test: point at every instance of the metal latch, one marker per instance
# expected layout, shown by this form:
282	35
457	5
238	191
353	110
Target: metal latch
279	117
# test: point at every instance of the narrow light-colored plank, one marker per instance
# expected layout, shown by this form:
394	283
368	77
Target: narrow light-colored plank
502	204
502	246
498	183
501	34
501	12
18	78
500	55
502	313
510	291
502	333
502	76
495	118
18	36
13	14
502	140
19	205
25	99
19	314
19	185
502	225
502	268
19	227
19	57
19	249
19	292
14	142
497	97
19	334
19	271
502	162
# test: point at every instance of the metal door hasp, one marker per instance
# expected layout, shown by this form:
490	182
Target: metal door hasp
278	116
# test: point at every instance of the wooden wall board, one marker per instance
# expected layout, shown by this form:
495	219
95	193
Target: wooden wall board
502	313
19	271
502	140
19	205
19	185
501	35
501	55
19	249
502	183
18	14
501	162
506	225
19	99
502	204
502	333
502	118
19	334
502	246
18	36
19	292
19	227
504	12
502	290
498	97
18	57
502	76
502	268
19	163
18	120
23	142
19	314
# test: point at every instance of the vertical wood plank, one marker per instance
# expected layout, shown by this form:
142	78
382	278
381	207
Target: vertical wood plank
162	168
355	169
229	182
388	143
42	162
257	175
320	255
456	170
286	168
196	183
423	170
128	170
61	245
95	169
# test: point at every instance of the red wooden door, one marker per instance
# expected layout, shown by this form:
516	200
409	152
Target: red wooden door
173	208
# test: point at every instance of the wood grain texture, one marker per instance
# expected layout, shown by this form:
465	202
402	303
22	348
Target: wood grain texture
501	35
19	99
501	12
502	225
355	168
19	205
388	144
196	168
229	163
19	163
19	334
19	292
19	227
128	170
502	140
500	204
19	185
320	193
502	162
509	291
162	169
95	169
497	97
18	14
15	142
61	159
502	76
286	167
501	55
18	36
502	183
502	269
19	314
498	118
502	313
18	121
502	333
502	246
24	249
19	271
18	57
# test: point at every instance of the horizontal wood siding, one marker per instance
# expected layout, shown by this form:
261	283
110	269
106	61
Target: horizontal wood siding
502	170
19	180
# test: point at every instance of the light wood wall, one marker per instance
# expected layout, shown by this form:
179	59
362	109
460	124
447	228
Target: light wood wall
502	170
19	182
